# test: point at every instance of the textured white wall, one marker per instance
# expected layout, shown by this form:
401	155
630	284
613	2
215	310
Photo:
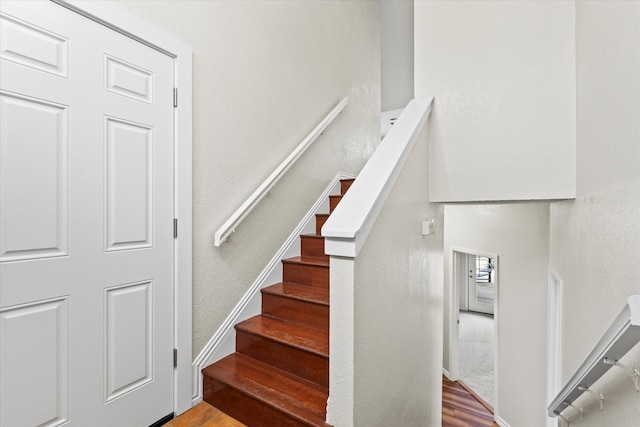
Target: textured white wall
396	53
398	308
264	74
595	240
503	76
519	235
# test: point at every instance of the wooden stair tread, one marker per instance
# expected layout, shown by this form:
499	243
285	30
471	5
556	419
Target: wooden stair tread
299	292
312	236
315	341
279	374
320	220
334	200
308	260
312	245
278	389
345	184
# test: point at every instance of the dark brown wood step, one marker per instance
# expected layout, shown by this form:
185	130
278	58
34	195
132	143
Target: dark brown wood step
301	304
345	184
313	271
298	349
259	395
333	202
320	220
312	245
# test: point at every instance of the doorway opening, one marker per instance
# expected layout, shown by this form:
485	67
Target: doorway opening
477	294
474	307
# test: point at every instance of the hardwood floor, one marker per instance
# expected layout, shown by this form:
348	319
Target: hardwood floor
204	415
459	409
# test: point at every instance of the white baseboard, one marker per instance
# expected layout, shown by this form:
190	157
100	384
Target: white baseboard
222	343
501	422
446	374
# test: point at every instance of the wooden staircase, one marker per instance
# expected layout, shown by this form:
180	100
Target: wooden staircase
279	374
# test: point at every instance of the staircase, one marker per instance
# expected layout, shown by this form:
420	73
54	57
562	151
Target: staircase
279	374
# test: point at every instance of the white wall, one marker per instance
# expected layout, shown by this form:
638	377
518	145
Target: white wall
395	285
264	74
595	240
519	235
396	53
503	76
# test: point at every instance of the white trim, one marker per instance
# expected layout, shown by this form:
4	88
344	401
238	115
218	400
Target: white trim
554	340
454	312
496	339
119	20
222	343
500	421
252	201
347	229
446	374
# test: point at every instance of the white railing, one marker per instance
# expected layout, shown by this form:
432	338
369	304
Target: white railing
622	335
345	233
348	226
241	213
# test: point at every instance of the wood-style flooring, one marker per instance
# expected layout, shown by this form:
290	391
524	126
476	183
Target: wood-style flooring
459	409
204	415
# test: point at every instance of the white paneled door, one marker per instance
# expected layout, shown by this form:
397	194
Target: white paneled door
86	212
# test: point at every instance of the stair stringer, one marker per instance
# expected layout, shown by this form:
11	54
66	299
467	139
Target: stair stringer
223	341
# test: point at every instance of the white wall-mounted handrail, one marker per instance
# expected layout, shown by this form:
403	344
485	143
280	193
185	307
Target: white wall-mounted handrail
348	226
241	213
622	335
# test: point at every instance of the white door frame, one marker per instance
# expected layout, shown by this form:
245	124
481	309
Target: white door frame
554	340
454	315
119	20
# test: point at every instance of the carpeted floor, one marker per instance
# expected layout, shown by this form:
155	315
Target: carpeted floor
476	353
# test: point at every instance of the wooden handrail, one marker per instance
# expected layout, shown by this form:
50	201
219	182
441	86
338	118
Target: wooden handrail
241	213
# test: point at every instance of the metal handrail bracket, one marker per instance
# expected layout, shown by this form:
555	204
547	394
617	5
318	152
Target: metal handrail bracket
621	336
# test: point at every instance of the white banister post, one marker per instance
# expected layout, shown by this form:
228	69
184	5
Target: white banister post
340	407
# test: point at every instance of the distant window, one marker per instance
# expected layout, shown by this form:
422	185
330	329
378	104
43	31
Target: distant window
484	269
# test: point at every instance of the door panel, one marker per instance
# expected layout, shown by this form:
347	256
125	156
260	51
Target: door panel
128	80
86	247
34	355
33	207
129	178
34	47
129	334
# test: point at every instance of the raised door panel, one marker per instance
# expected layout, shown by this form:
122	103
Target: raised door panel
34	364
129	181
128	338
34	191
128	80
34	47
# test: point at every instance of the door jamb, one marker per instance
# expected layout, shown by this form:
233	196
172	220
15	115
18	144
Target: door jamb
119	20
454	314
554	339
